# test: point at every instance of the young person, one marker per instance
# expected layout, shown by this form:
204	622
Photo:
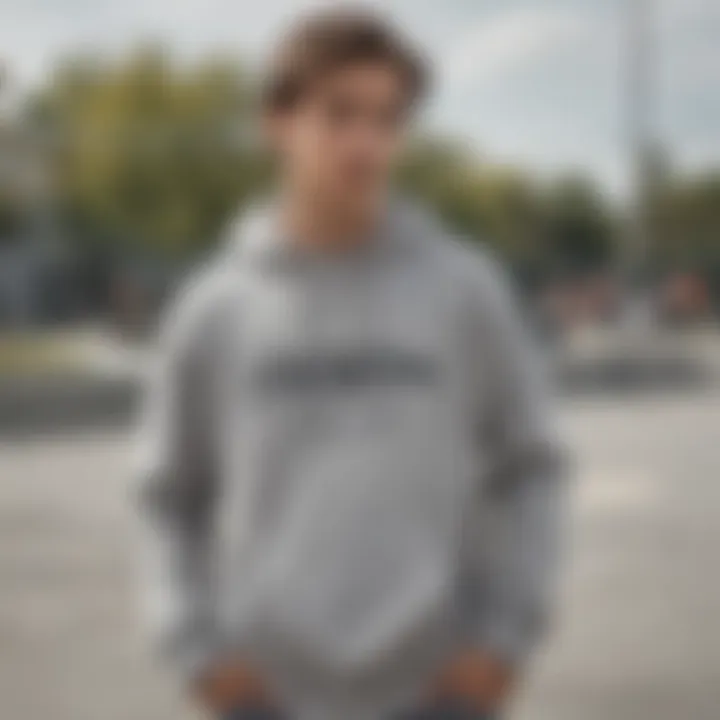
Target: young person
349	479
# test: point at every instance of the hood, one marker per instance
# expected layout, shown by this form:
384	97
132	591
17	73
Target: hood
256	235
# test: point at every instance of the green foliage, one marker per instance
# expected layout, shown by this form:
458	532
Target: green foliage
157	152
578	227
685	222
160	155
10	220
534	227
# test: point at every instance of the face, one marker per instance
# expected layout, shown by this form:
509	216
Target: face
341	139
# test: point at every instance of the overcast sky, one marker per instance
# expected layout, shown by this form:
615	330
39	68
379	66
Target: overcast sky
534	81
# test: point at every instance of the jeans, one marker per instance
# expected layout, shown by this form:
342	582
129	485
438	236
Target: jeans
445	711
438	712
252	713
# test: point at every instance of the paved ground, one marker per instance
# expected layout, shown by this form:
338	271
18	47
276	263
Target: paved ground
639	639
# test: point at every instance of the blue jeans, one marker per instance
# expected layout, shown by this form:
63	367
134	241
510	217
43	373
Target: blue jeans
252	713
445	711
439	712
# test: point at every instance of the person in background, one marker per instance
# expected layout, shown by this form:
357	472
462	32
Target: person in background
350	483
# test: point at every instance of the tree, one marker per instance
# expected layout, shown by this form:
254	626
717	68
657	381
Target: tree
578	227
497	205
156	152
161	154
686	222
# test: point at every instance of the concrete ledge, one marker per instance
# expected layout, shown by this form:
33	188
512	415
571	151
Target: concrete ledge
65	403
620	376
58	404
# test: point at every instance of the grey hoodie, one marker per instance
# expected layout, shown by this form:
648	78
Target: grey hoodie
348	471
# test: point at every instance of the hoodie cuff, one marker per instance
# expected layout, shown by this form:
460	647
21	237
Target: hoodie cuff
195	662
192	656
511	638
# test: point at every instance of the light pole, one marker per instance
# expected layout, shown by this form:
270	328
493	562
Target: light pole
640	140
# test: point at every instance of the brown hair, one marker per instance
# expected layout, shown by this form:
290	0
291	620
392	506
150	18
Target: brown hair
332	39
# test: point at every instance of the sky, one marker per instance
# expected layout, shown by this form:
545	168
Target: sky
541	83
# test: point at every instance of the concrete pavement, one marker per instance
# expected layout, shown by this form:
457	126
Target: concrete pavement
639	638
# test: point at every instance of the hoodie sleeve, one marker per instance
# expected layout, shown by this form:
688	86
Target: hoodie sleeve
515	546
178	485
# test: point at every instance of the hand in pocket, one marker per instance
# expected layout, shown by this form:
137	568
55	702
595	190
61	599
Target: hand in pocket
231	686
